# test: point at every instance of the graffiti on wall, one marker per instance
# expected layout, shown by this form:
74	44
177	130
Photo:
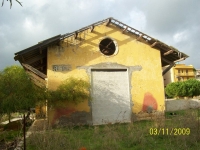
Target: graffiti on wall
61	68
149	103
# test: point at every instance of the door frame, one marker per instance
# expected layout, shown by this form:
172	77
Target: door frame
110	65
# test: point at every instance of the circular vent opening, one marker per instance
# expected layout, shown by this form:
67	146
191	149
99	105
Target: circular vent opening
107	46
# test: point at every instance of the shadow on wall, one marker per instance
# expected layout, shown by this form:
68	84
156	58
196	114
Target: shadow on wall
149	103
88	47
110	105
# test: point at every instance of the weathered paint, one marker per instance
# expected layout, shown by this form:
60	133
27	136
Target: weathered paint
85	52
59	112
67	109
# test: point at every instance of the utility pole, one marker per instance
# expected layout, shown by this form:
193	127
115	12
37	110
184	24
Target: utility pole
24	130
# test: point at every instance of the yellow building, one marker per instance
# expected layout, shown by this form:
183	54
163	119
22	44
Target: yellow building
122	64
198	74
180	72
183	72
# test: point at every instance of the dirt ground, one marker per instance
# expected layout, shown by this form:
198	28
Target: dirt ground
39	125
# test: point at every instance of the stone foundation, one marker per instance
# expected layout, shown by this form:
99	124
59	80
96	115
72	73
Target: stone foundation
85	118
76	118
147	116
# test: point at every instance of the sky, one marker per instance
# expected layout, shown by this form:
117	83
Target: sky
176	23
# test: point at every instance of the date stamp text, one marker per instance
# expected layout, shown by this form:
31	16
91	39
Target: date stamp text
169	131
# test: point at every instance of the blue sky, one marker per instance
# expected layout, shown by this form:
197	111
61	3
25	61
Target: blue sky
175	23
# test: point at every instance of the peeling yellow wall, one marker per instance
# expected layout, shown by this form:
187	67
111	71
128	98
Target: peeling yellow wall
147	84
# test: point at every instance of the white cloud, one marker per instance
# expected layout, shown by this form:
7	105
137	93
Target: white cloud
180	36
36	3
137	19
28	24
171	22
32	27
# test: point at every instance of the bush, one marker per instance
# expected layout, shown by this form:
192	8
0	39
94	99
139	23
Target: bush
175	89
71	90
193	87
188	88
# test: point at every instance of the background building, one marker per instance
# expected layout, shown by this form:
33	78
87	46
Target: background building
198	74
180	72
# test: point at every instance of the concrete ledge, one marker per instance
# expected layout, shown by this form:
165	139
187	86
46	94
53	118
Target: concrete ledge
181	104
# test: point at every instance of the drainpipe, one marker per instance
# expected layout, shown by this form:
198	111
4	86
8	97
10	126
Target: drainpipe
168	68
46	104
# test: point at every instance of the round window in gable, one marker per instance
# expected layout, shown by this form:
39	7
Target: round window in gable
108	46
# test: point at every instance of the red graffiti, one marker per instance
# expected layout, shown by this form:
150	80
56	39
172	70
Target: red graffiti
60	112
149	101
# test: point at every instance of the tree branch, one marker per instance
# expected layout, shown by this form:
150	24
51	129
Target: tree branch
11	3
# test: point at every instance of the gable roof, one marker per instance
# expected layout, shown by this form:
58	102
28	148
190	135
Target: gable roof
36	56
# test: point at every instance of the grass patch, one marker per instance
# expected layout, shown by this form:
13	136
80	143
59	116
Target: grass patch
135	135
182	113
9	135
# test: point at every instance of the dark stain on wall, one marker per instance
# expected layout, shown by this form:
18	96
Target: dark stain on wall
64	116
61	112
76	118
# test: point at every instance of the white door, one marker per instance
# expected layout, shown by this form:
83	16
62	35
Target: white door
111	96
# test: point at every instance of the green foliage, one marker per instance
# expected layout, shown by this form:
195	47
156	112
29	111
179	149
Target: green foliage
17	92
193	87
71	90
187	88
172	89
